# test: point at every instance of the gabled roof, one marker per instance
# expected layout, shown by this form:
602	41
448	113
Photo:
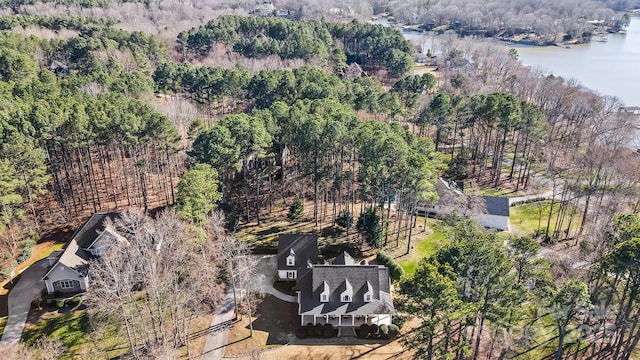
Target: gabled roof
362	279
497	205
305	247
343	259
74	255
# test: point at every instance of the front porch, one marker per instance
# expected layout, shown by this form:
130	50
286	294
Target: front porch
340	320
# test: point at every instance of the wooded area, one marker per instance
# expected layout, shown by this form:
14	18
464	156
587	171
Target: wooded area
82	131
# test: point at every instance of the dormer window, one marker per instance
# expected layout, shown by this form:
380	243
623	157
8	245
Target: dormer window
291	259
324	295
347	294
368	295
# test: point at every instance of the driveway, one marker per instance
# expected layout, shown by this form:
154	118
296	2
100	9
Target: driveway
219	330
268	267
28	287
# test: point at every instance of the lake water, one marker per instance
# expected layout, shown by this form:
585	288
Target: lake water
611	68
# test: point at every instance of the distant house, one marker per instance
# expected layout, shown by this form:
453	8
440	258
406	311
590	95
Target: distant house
345	294
69	268
59	68
295	252
265	9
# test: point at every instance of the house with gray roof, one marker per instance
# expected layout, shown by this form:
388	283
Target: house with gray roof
345	293
295	252
69	268
496	215
489	211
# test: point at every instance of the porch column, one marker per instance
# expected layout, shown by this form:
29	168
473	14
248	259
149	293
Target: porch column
353	319
339	320
314	319
301	320
366	319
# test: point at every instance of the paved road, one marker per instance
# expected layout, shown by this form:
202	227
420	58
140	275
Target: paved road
28	287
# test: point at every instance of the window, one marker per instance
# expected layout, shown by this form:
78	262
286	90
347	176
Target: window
367	298
324	298
291	274
66	284
346	298
291	261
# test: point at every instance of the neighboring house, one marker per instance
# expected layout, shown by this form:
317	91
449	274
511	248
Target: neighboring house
497	213
345	294
489	211
295	252
69	268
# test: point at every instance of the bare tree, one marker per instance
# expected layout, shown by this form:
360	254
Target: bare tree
153	280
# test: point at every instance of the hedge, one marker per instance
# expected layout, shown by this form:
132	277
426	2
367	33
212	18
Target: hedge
310	329
364	331
395	271
384	331
327	331
394	330
318	330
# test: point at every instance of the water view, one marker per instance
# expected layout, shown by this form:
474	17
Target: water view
610	67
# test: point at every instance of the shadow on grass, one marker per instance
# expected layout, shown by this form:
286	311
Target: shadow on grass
71	328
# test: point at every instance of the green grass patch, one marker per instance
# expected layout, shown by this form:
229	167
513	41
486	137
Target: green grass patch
500	192
527	219
3	322
71	328
425	247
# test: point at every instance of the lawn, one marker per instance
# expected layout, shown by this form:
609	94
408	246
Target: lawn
425	247
526	219
40	251
71	328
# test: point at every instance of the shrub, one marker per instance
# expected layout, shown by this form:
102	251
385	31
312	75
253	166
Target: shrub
399	320
301	332
384	331
60	304
310	329
75	301
394	330
395	271
296	210
364	331
327	330
344	219
373	329
29	244
368	226
318	330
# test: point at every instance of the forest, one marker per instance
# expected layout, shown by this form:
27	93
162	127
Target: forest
94	117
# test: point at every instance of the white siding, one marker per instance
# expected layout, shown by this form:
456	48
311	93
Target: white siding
282	274
493	221
380	319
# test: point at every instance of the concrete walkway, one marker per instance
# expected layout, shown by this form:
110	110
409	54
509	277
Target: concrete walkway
29	286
